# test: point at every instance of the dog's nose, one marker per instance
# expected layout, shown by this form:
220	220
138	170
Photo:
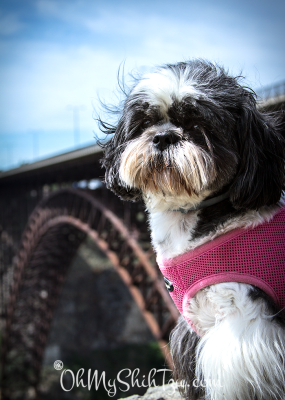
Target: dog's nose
162	140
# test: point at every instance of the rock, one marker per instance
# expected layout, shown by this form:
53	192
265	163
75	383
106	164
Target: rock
165	392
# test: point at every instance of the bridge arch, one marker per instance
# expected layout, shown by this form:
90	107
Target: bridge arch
56	228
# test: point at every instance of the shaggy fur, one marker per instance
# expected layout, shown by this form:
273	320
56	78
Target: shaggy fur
189	132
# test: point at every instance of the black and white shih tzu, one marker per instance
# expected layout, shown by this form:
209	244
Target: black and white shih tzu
192	144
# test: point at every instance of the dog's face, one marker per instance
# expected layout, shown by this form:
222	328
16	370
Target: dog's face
189	130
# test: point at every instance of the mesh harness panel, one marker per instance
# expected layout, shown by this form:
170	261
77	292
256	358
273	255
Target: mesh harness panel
254	256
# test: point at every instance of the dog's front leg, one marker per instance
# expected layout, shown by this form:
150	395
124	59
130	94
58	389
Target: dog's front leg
241	352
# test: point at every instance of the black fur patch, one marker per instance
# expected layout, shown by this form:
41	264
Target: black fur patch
278	315
183	343
213	216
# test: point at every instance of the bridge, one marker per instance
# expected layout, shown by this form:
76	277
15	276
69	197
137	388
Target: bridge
47	209
272	97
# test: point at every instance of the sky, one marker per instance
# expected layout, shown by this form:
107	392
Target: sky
58	57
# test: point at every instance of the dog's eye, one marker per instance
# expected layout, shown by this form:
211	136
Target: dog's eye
146	123
195	130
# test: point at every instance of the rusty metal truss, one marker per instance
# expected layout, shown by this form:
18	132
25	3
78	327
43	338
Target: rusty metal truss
55	229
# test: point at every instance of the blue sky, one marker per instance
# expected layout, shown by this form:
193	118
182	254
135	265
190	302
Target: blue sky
59	54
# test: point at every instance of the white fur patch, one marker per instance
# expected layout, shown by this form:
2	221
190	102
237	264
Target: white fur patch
242	349
168	232
161	88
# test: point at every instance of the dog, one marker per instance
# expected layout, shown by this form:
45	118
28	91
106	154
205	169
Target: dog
191	142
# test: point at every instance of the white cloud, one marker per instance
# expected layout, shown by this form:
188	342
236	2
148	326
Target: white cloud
41	77
211	30
36	93
47	77
10	24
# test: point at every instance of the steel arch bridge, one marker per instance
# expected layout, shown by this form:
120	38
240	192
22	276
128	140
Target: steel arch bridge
55	229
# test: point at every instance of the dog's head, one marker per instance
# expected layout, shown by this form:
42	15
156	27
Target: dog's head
190	130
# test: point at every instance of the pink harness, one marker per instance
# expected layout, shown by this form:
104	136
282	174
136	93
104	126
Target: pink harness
255	256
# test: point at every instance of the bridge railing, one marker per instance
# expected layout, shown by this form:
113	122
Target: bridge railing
272	91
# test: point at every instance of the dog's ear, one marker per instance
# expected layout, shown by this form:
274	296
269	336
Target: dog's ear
111	162
113	183
260	178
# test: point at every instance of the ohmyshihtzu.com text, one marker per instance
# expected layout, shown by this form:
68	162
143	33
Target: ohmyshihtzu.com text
94	379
